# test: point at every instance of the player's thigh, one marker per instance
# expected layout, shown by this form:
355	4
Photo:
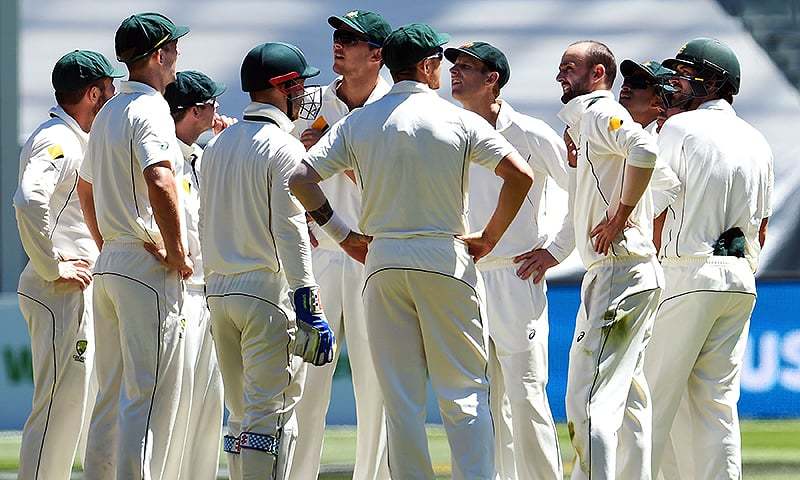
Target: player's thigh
329	271
227	342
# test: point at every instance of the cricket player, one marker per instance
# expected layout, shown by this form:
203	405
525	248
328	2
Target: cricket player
257	259
527	446
411	152
713	234
54	289
357	40
132	198
192	100
612	216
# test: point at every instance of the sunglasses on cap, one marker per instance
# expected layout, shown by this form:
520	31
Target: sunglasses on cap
437	55
346	38
210	101
637	82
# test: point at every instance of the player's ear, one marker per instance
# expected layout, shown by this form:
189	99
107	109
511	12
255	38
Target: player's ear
492	78
376	55
598	72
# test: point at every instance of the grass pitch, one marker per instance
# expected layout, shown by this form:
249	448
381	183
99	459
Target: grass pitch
770	451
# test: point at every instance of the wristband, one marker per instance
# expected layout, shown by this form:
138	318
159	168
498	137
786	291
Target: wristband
336	228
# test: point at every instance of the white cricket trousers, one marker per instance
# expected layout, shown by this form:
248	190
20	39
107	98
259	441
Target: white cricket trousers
698	347
60	325
608	400
253	325
139	363
341	280
199	420
427	322
526	440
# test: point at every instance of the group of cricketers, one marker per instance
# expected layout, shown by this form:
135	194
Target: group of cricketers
415	231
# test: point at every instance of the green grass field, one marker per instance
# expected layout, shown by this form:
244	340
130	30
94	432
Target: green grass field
770	450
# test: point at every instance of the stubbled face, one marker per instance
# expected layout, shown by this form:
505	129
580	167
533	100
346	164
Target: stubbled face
107	90
574	73
169	60
640	98
467	77
205	115
351	52
433	72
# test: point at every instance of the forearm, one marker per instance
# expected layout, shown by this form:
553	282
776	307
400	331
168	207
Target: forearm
86	197
634	185
304	185
762	231
294	250
163	196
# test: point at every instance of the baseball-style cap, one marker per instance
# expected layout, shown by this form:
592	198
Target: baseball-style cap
274	62
411	43
77	69
141	34
650	69
191	88
371	24
490	55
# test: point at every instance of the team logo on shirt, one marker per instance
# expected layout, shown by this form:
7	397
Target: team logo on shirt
164	145
614	123
580	336
55	152
80	349
532	334
187	187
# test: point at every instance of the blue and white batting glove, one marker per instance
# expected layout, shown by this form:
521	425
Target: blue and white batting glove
315	342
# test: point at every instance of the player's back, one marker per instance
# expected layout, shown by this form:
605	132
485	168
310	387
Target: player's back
133	130
237	175
725	168
412	154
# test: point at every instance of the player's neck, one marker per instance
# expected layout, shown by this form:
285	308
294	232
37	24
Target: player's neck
486	107
355	90
644	119
82	116
151	78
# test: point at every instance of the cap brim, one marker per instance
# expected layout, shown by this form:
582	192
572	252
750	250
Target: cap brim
219	89
451	54
180	30
442	39
117	73
672	63
339	22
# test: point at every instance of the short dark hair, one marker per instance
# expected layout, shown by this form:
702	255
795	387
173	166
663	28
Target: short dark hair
177	115
73	97
598	53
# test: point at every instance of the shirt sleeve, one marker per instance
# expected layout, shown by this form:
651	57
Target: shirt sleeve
289	220
487	147
46	168
619	134
564	242
154	141
549	155
331	154
768	184
665	184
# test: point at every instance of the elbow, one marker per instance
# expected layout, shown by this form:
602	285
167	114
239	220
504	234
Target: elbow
295	181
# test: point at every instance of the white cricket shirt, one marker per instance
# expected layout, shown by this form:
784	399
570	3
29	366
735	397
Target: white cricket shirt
248	218
411	152
190	183
546	154
49	217
132	131
343	194
725	168
608	139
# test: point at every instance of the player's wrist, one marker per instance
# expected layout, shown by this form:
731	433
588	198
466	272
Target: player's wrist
336	228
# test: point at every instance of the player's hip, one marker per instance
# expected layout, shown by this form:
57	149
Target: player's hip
707	273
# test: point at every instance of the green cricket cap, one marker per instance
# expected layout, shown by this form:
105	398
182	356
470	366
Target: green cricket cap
141	34
79	68
650	69
490	55
191	88
411	43
710	53
272	63
371	24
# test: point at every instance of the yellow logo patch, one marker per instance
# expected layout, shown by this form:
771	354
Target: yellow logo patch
55	151
187	187
614	123
352	14
467	45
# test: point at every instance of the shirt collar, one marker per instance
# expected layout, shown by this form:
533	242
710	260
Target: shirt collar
717	104
381	88
187	150
410	86
61	114
270	111
504	116
572	111
131	86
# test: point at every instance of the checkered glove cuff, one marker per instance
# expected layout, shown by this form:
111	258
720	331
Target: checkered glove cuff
259	441
230	444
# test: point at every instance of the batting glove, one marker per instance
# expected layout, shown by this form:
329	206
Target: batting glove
315	342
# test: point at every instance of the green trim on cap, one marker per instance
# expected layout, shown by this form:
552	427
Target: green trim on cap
190	88
487	53
79	68
143	33
370	24
411	43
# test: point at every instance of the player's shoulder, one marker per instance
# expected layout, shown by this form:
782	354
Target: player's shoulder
532	126
54	133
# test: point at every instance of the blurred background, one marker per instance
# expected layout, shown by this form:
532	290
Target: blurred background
764	33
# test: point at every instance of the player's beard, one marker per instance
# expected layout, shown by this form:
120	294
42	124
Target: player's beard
576	90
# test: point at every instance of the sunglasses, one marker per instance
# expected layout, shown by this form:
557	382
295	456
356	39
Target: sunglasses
637	83
346	38
438	55
210	101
